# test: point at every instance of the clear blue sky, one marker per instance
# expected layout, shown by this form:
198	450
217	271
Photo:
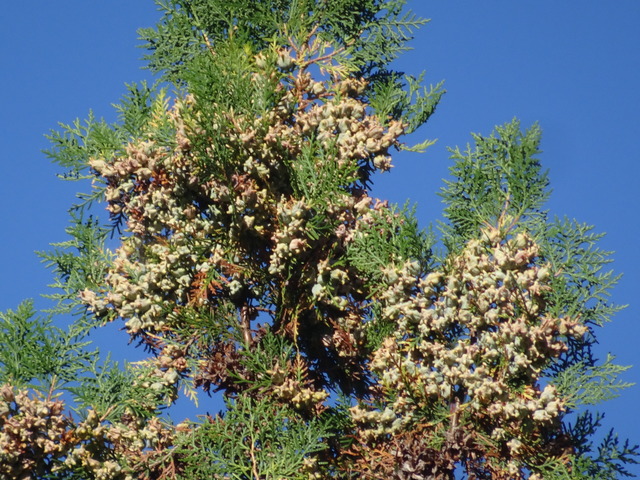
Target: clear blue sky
572	66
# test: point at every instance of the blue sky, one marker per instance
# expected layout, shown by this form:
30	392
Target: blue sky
574	67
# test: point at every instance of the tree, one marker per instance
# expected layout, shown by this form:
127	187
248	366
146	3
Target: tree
251	260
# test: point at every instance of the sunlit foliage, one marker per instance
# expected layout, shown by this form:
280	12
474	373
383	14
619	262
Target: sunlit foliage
252	261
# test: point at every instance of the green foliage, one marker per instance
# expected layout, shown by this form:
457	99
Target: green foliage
113	391
253	439
78	263
391	237
373	32
606	461
406	97
188	29
316	180
581	385
365	35
377	34
500	182
267	362
501	185
135	109
37	354
581	289
81	140
251	259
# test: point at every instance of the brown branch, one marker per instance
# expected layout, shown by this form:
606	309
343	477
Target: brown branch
246	312
254	463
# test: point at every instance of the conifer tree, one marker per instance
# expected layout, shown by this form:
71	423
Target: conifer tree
252	262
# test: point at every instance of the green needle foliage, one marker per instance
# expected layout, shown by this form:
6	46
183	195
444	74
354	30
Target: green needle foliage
227	224
499	182
254	439
37	354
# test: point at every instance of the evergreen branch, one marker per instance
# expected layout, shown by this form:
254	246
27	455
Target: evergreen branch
590	385
37	354
580	288
500	179
76	143
392	237
78	263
